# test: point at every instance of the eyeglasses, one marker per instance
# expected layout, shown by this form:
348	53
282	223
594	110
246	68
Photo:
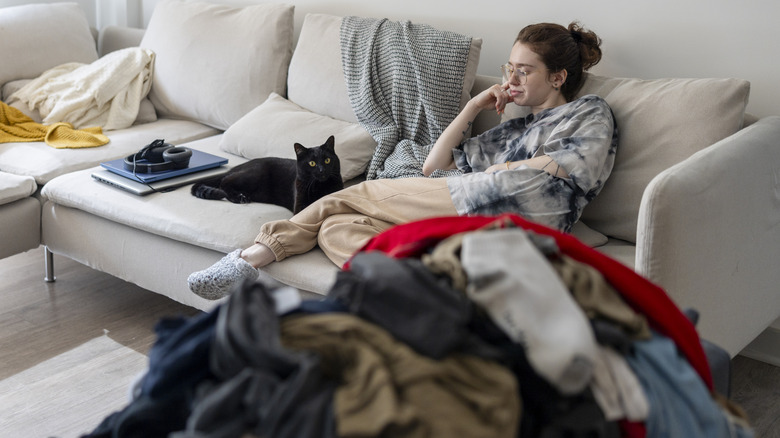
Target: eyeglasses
509	71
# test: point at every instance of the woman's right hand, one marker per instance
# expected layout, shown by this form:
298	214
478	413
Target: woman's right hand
493	97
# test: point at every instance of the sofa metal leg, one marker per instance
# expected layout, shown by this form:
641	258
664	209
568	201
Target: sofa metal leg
48	261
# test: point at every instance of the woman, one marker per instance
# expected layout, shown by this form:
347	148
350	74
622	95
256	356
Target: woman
546	166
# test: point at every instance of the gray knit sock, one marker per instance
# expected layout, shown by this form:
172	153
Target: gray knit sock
215	282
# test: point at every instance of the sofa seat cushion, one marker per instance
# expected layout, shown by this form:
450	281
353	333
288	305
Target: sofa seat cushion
588	235
620	250
216	62
37	37
44	162
176	214
15	187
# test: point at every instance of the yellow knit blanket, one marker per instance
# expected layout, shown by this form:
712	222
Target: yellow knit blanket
16	126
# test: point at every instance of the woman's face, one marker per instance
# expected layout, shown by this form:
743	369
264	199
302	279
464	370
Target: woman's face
538	92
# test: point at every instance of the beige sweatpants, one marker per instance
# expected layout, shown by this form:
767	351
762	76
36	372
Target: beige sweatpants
341	223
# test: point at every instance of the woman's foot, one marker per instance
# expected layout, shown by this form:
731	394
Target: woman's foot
216	281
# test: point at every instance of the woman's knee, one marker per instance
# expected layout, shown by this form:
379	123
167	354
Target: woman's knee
344	234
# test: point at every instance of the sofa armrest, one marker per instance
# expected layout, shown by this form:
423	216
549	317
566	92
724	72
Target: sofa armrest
112	38
709	233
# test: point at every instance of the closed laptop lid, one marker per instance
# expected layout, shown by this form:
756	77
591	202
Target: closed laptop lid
141	189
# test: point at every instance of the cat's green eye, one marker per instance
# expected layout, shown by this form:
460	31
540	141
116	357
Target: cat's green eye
312	163
327	161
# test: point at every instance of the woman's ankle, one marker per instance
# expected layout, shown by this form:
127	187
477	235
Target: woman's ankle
258	255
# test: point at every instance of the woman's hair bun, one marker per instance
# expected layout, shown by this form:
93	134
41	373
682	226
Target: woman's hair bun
589	42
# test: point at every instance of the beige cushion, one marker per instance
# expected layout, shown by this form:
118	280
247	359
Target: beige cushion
37	37
661	123
215	62
316	76
271	129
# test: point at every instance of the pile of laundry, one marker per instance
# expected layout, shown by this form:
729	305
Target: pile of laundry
463	326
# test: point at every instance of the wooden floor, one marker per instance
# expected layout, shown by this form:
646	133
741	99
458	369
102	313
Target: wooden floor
756	387
70	350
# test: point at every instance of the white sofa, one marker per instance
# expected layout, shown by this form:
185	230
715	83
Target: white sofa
692	203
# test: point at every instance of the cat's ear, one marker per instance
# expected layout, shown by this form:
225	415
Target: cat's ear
331	143
299	149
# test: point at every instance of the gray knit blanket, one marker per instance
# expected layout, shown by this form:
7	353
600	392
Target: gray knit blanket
404	82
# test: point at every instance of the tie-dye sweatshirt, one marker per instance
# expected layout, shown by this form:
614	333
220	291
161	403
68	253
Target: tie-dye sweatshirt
580	136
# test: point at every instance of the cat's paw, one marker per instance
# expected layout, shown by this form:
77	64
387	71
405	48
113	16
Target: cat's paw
238	199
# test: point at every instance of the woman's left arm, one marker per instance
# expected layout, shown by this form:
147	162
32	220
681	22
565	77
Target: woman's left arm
581	146
543	162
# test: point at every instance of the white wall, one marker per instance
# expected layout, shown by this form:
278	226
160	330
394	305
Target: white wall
642	38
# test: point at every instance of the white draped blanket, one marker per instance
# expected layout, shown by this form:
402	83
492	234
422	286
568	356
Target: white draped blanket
105	93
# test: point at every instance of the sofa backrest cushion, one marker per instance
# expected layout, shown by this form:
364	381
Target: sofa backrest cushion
215	62
271	129
316	77
661	122
37	37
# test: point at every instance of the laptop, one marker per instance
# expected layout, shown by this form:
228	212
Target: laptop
199	161
165	185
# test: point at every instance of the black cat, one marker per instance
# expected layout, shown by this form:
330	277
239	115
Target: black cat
293	184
